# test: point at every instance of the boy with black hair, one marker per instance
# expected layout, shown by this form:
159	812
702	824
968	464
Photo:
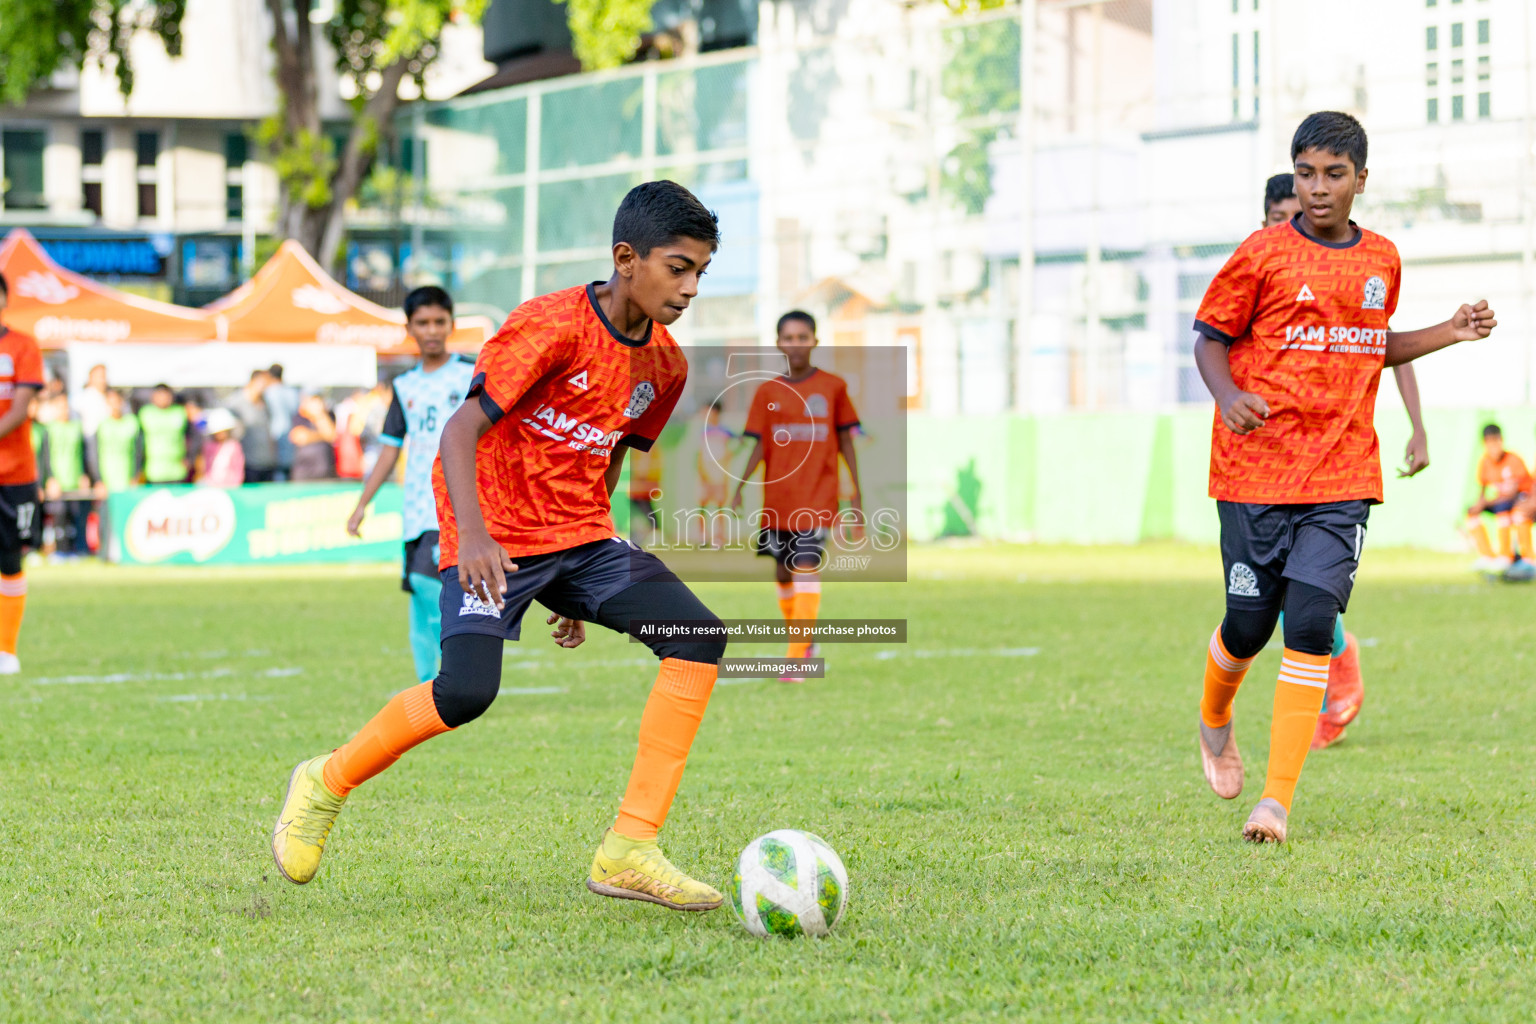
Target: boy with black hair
524	478
1346	688
21	378
421	400
1293	333
800	423
165	426
1506	474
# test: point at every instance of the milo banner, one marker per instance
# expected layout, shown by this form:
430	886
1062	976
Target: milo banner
259	524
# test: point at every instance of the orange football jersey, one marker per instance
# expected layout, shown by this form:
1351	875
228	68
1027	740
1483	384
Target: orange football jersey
1507	477
798	421
21	364
562	388
1306	325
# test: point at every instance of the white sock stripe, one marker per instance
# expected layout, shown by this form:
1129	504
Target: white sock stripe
1225	660
811	587
1304	666
1321	684
14	588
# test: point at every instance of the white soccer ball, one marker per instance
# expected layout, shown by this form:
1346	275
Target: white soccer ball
789	882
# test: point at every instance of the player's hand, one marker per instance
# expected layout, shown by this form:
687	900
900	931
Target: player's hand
484	567
355	521
100	489
1473	322
1415	455
52	491
736	500
1244	413
568	632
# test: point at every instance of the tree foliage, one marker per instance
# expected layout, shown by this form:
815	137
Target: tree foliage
606	33
981	79
39	38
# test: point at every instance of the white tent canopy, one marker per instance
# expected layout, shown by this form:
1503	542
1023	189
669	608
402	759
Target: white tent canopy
223	364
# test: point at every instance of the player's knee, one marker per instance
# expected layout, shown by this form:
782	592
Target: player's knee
1311	616
708	647
1245	631
469	679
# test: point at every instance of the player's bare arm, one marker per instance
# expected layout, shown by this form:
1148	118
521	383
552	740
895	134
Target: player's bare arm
389	455
850	456
1416	454
483	563
1241	412
1472	322
753	461
16	415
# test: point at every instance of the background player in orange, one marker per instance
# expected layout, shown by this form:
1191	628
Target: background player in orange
1503	489
21	378
525	473
799	425
1293	334
1346	687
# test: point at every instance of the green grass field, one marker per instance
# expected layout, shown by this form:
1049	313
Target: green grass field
1016	793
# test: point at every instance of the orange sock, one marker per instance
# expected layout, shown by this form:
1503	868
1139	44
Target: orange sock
1479	535
1223	675
13	603
409	718
787	599
1298	701
807	602
1524	528
1505	550
667	727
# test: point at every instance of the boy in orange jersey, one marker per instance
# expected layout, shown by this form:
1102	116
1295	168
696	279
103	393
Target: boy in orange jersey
525	473
21	378
1293	335
1503	473
800	424
1346	688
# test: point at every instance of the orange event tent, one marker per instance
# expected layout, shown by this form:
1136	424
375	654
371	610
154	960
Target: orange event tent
291	299
58	306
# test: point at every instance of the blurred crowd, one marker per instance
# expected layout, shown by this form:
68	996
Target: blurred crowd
103	439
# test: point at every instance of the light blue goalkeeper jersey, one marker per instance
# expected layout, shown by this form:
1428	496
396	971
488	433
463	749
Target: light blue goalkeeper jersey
421	405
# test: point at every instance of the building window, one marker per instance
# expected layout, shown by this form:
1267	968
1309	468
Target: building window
147	155
1484	105
1458	71
23	169
1432	110
1431	74
1429	3
93	149
1432	38
1456	35
236	152
1458	108
1482	32
1484	69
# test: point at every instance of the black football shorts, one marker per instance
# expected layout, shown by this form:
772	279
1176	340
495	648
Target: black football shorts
1262	546
18	517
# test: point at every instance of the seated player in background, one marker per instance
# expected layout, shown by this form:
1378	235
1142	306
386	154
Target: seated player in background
421	400
524	480
1346	686
799	424
1503	485
1296	466
118	450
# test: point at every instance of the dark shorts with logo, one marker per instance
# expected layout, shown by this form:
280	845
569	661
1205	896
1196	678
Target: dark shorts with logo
18	517
798	549
573	583
420	559
1262	546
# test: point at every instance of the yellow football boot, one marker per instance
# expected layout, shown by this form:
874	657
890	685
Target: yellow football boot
309	811
636	869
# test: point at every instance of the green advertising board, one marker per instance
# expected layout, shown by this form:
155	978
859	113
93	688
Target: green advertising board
259	524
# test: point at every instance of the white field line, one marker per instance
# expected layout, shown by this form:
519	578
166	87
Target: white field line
959	652
158	677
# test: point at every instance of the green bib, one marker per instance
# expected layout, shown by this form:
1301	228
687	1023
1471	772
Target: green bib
165	443
66	452
115	443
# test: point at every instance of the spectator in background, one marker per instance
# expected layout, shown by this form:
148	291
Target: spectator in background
165	438
370	431
196	435
223	457
250	408
118	448
282	406
314	441
91	402
67	484
349	442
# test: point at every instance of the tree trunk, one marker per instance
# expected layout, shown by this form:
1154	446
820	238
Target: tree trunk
355	161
